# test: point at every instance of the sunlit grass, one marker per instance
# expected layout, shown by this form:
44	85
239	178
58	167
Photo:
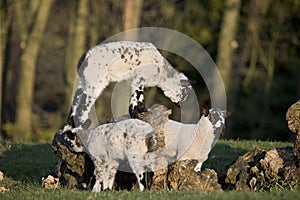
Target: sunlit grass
24	165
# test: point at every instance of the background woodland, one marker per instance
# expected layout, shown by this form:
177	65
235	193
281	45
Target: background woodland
255	44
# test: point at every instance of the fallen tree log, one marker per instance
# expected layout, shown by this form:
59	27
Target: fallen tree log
269	170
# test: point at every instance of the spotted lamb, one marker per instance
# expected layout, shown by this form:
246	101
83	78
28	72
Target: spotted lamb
140	62
113	145
193	141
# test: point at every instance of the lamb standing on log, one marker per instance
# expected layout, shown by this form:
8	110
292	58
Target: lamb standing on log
114	144
118	61
193	141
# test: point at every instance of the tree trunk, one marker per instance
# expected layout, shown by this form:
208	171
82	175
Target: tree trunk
76	46
1	79
2	45
226	46
132	14
30	41
227	42
6	16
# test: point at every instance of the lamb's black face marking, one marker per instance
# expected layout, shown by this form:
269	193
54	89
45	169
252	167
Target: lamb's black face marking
73	142
139	94
204	110
69	137
217	118
138	103
135	110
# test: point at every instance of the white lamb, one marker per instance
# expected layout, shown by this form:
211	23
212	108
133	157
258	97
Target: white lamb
193	141
140	62
112	145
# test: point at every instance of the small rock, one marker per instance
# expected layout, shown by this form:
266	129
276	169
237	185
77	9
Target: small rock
50	182
181	176
3	189
272	162
1	176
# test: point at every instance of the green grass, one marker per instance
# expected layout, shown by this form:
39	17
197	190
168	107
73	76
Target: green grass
24	165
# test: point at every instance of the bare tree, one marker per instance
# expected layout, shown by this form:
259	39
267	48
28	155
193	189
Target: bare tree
227	42
76	44
132	13
32	23
2	44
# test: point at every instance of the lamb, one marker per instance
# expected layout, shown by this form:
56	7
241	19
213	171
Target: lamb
124	60
193	141
113	145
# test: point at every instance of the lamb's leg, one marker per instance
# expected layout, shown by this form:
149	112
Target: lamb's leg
137	164
97	186
99	173
77	97
137	102
198	167
140	177
112	167
87	100
110	173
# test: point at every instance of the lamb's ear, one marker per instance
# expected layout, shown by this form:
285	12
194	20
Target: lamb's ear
204	110
87	124
185	82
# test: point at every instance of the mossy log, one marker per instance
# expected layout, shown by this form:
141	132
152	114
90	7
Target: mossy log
181	176
293	119
261	170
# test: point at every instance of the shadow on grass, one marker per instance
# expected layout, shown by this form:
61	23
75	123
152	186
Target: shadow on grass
222	156
27	162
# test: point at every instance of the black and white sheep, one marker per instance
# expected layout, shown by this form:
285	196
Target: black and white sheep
140	62
112	145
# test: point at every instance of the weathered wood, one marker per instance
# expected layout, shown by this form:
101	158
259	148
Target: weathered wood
72	169
293	119
181	176
263	170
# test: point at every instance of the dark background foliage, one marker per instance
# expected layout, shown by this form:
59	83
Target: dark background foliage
264	77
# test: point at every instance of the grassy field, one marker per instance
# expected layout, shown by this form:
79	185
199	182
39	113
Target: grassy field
24	165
